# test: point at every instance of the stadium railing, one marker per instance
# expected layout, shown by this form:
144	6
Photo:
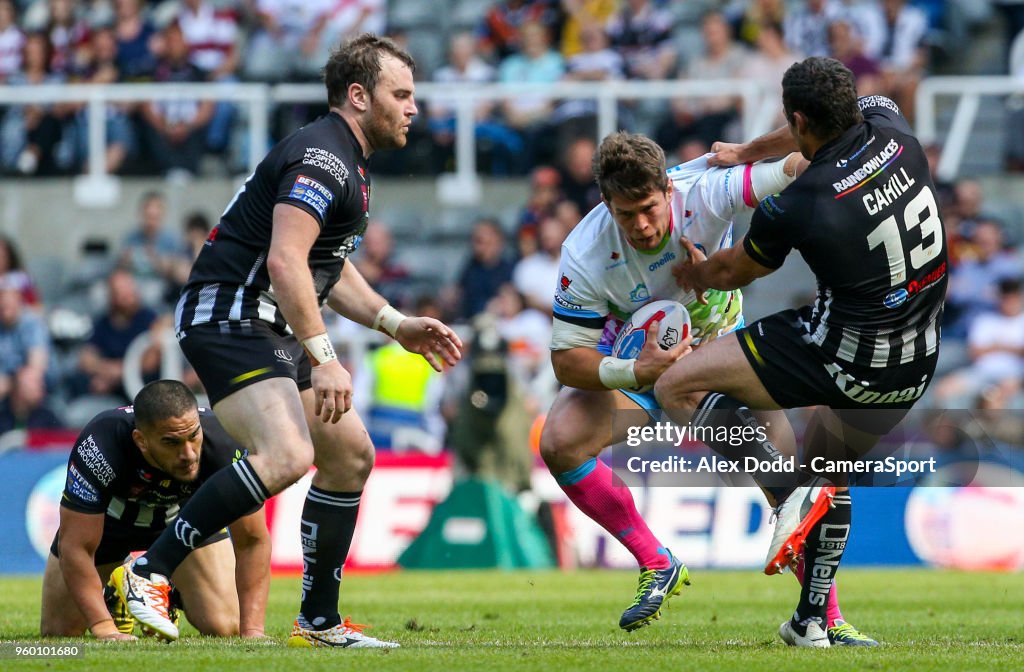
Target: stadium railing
760	105
968	91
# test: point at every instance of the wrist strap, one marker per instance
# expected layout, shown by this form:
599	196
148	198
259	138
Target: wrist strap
387	320
320	349
617	373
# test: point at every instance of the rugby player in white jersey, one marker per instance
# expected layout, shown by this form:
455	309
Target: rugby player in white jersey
617	259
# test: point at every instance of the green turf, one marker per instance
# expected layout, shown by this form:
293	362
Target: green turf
453	621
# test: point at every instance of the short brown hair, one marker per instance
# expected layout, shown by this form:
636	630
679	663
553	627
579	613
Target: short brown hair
358	61
629	165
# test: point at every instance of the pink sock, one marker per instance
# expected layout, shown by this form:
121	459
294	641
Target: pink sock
833	613
592	489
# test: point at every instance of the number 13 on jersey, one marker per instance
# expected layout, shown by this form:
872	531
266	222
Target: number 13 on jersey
922	212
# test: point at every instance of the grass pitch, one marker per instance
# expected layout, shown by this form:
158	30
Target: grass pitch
725	621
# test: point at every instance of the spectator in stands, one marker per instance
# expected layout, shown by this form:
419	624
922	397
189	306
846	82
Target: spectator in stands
899	48
595	62
101	359
707	118
175	130
31	133
465	66
375	260
748	18
545	193
136	41
581	13
806	26
152	252
348	18
536	63
528	334
847	46
196	231
24	357
13	273
285	44
578	185
487	269
500	29
968	202
642	34
770	62
211	34
100	67
69	35
12	41
995	341
536	276
973	284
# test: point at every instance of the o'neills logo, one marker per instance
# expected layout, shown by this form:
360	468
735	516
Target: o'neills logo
862	395
870	167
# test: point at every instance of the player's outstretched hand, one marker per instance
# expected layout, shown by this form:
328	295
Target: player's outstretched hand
726	154
653	360
686	271
332	389
433	339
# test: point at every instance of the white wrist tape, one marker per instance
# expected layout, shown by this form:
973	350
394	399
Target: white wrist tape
769	178
617	373
320	349
387	320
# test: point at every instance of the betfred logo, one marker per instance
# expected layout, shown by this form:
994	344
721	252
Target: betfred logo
564	283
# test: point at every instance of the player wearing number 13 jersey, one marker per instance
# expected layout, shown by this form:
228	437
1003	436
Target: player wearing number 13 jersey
864	218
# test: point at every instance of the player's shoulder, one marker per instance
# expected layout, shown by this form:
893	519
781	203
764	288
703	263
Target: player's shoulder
593	233
112	422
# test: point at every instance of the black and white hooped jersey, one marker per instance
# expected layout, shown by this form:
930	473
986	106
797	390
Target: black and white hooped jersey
108	474
320	169
865	219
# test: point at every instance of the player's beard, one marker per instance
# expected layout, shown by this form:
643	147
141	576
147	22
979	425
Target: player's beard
385	133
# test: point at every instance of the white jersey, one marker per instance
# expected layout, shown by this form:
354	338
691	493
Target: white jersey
603	279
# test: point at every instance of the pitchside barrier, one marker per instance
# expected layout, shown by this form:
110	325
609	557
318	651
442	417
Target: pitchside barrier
707	526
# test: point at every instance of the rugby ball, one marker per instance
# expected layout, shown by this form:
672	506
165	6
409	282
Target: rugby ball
673	327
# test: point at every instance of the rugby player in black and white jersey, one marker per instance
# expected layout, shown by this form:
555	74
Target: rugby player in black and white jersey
249	322
864	218
130	471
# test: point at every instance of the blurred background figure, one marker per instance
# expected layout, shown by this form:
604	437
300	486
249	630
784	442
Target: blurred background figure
24	360
995	341
398	395
488	267
100	368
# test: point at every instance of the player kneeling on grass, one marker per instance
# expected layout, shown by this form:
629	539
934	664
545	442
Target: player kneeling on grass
618	259
130	471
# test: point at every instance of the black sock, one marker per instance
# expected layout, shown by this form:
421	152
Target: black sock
822	554
328	522
732	431
230	494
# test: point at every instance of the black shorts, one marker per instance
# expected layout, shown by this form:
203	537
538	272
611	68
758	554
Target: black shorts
796	373
120	540
231	356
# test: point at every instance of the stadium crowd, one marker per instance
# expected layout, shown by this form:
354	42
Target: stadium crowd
889	44
60	367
